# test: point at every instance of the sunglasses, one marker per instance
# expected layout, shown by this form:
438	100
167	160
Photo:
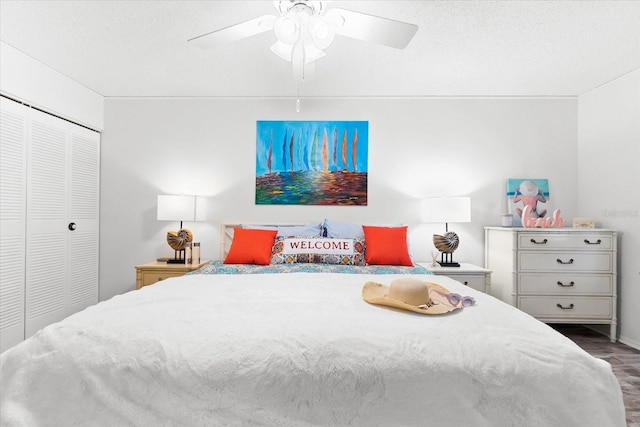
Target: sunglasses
456	299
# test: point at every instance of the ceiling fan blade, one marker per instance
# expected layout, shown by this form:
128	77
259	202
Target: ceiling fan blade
362	26
234	32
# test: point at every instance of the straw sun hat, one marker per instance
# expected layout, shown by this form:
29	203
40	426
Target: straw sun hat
411	294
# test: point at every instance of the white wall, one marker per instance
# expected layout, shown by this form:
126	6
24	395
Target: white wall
609	182
27	80
417	148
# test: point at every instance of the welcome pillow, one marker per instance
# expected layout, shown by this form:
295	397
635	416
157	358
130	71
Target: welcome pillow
288	250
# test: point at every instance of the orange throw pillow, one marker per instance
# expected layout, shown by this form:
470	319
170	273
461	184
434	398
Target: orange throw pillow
251	246
386	245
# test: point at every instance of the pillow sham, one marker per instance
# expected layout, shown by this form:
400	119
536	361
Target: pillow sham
300	230
342	230
250	246
289	250
290	230
386	245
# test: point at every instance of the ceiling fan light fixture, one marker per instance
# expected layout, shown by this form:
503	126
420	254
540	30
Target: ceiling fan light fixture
312	52
287	29
282	50
304	28
300	25
322	31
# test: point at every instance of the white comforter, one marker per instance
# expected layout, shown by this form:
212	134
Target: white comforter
300	349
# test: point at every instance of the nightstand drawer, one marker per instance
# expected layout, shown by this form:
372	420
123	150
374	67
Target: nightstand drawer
567	307
565	261
553	241
564	284
154	272
475	282
151	277
471	275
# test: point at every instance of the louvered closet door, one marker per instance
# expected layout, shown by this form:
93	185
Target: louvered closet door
84	209
46	239
13	163
62	220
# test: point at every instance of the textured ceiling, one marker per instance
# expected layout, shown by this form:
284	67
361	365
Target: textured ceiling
462	48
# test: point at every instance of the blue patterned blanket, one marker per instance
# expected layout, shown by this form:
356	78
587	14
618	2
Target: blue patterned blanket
217	267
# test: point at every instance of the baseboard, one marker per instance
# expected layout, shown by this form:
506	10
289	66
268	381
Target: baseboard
604	330
630	342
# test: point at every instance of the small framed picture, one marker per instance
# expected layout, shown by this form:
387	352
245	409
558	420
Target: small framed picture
531	193
583	223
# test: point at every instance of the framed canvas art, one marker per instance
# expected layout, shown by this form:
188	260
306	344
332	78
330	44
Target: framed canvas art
312	162
528	195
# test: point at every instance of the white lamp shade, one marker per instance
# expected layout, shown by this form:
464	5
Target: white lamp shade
176	208
446	209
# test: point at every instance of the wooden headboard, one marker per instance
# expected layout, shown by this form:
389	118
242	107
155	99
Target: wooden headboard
226	236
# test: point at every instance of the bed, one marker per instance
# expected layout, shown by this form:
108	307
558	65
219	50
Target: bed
296	345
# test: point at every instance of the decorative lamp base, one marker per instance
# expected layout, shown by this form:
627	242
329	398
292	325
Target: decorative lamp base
446	260
449	264
178	258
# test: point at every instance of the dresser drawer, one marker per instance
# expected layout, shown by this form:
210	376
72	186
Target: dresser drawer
476	282
565	261
567	307
564	284
558	241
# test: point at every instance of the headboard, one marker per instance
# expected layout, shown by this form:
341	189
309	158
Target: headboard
226	234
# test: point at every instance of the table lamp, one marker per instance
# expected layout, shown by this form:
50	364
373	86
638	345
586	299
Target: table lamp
446	209
177	208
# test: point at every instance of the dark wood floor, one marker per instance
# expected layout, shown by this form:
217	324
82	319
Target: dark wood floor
624	360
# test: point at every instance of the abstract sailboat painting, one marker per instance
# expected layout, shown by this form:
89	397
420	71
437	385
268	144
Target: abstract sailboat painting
312	162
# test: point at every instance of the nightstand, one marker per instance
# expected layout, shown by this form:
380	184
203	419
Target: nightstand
152	272
471	275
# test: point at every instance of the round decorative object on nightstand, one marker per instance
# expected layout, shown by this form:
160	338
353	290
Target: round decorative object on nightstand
447	243
178	239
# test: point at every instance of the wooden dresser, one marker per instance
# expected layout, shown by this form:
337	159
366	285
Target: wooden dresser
556	275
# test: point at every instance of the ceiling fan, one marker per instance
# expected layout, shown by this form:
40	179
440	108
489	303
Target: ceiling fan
305	28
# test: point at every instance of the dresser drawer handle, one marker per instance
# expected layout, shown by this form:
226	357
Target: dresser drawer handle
559	261
566	286
565	308
592	243
535	242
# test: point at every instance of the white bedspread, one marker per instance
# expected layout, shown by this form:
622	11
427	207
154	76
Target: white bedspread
300	349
